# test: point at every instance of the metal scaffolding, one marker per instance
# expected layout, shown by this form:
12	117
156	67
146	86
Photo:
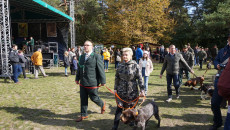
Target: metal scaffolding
72	27
5	39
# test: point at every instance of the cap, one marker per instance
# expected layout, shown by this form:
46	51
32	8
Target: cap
185	46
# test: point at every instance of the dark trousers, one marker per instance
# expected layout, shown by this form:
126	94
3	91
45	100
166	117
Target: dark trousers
201	64
24	72
72	69
93	94
181	74
215	105
116	64
17	69
31	48
176	83
117	118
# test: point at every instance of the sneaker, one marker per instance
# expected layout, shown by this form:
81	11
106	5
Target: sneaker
169	100
177	96
45	75
214	127
36	78
66	75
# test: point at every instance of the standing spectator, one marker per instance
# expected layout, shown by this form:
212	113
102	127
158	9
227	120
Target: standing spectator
214	52
219	63
25	45
78	52
139	53
102	51
14	60
90	73
190	49
146	67
22	60
196	57
149	52
208	55
75	64
134	52
171	65
111	54
117	55
161	54
106	56
166	51
36	58
188	57
31	44
66	62
71	55
127	79
202	55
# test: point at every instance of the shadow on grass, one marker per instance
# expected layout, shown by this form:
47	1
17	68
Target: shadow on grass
46	117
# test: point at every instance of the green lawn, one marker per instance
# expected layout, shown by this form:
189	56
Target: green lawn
54	103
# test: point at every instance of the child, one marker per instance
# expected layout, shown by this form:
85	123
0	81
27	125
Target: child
74	64
66	62
22	61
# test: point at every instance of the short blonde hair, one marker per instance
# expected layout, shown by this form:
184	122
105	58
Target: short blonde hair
66	53
129	50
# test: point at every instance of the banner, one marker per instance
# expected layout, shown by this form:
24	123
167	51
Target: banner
22	29
51	30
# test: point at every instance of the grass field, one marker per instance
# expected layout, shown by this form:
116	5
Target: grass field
54	103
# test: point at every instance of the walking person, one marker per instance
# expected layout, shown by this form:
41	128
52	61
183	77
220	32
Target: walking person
171	65
71	55
219	63
14	60
117	55
106	56
66	62
90	74
188	57
139	53
127	79
22	60
36	58
202	56
146	67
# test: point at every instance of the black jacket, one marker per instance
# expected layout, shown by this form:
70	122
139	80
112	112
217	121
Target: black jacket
14	57
66	61
22	60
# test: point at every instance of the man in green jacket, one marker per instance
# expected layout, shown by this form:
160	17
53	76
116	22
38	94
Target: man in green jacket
90	73
202	55
31	44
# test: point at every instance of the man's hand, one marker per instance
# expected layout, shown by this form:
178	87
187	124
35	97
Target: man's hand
160	76
218	67
77	82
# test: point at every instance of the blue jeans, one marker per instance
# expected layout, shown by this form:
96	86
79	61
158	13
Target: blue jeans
146	80
17	69
227	121
176	83
106	64
66	71
215	105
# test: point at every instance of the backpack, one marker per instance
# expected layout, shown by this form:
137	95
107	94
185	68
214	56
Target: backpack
224	82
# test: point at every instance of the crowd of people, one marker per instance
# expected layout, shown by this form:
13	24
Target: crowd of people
133	68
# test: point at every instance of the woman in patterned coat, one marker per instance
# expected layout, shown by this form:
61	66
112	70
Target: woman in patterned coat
127	79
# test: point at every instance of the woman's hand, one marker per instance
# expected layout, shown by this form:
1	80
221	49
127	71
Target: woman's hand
142	94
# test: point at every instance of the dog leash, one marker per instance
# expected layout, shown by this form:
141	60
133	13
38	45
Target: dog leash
117	96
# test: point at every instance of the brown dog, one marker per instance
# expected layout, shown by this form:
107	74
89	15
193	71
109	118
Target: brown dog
195	81
141	116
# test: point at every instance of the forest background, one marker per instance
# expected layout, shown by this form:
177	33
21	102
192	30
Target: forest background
130	22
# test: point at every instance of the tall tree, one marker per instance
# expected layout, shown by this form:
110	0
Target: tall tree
131	22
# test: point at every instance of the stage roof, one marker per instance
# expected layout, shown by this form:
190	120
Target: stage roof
35	11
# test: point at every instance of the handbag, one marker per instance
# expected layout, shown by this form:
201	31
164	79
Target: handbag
224	82
118	58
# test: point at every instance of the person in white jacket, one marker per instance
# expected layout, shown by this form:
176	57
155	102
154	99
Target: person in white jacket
146	67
